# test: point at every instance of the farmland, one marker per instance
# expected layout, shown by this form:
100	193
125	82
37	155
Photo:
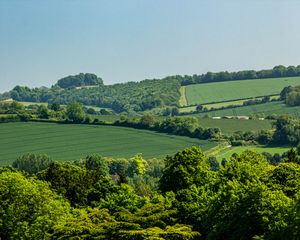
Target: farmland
71	142
234	90
218	105
228	126
259	149
265	109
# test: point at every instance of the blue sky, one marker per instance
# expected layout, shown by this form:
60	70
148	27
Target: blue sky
130	40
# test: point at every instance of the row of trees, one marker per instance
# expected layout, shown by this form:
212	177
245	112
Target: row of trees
184	126
98	198
276	72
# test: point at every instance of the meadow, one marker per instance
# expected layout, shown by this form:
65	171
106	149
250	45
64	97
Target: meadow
209	106
258	149
228	126
265	109
234	90
71	142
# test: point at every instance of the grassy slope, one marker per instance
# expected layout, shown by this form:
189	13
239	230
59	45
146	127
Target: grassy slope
234	125
226	91
259	149
222	104
71	142
183	100
266	109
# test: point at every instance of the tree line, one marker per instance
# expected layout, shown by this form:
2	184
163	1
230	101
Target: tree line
276	72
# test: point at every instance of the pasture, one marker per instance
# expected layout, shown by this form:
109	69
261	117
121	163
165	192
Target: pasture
228	126
218	105
234	90
64	142
265	109
258	149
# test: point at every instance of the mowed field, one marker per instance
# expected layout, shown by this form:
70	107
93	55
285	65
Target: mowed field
265	109
72	142
228	126
258	149
233	90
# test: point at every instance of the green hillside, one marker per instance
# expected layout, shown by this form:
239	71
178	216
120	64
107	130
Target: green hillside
227	153
228	126
266	109
70	142
232	90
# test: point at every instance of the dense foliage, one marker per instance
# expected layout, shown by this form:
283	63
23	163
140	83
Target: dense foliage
291	95
80	80
131	96
184	126
276	72
99	198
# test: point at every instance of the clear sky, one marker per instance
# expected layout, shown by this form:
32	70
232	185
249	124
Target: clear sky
130	40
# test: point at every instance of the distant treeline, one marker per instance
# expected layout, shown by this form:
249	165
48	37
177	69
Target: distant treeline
276	72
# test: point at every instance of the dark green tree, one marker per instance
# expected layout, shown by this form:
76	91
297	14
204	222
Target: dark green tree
75	112
32	163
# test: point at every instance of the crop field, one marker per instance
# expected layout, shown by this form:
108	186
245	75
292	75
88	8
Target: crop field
72	142
189	109
234	90
259	149
228	126
264	109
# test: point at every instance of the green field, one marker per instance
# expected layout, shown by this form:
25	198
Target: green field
233	90
233	125
259	149
266	109
209	106
72	142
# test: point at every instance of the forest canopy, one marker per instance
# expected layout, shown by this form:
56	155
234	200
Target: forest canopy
99	198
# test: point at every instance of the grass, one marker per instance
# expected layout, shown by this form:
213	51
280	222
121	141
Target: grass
226	153
228	126
188	109
209	106
235	102
266	109
182	100
234	90
26	104
70	142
